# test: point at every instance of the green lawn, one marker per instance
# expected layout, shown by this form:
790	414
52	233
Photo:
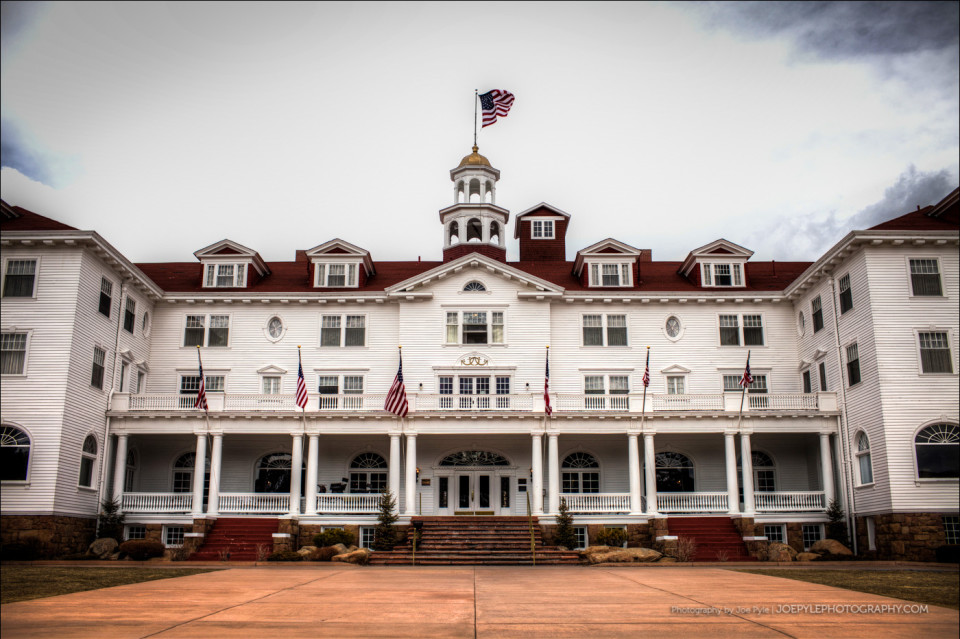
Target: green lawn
933	588
19	583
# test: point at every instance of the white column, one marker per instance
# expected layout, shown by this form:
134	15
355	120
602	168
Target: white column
536	465
746	462
313	454
553	473
410	507
199	470
296	474
394	478
120	468
633	466
826	467
650	473
216	463
733	495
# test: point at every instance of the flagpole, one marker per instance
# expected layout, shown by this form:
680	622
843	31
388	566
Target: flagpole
203	382
476	98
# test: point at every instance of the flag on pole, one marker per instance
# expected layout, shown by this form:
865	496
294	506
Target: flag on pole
546	386
646	371
397	397
494	103
301	383
747	378
201	401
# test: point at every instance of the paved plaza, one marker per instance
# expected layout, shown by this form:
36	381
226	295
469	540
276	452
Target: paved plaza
324	600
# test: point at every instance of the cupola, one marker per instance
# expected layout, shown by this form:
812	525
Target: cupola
474	223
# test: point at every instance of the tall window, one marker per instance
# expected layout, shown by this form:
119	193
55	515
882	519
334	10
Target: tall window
106	296
822	370
816	309
129	315
183	469
764	473
846	295
368	473
853	365
475	327
864	458
752	330
474	392
807	385
729	330
270	385
925	277
13	353
580	473
343	330
190	386
20	278
274	473
88	461
604	330
676	385
14	453
130	472
938	452
674	473
207	330
606	391
935	352
96	375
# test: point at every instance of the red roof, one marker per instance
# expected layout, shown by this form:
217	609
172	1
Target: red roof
921	220
25	220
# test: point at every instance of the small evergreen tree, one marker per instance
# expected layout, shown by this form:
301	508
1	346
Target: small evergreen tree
385	534
565	535
110	523
837	528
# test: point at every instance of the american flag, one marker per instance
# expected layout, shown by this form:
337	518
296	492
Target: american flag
646	371
546	388
201	401
494	103
747	378
301	385
397	397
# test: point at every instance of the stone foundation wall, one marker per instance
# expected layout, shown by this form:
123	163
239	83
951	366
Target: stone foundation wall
309	531
60	535
638	535
904	536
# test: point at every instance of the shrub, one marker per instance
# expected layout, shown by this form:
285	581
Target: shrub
284	555
837	528
614	537
142	549
564	535
332	537
385	534
686	548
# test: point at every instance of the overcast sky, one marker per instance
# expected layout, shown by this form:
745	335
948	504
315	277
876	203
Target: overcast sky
779	126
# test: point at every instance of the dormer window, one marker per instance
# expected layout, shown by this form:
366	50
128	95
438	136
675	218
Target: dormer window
542	229
336	275
615	274
714	274
225	276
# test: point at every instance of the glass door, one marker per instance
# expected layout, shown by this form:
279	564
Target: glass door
474	493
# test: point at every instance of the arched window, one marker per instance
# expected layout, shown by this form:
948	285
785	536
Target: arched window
864	460
474	230
474	458
674	473
14	454
88	461
764	473
474	190
368	473
474	286
581	473
454	236
938	452
183	473
130	471
488	192
274	473
494	233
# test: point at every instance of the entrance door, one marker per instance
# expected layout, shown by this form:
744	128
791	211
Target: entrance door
474	493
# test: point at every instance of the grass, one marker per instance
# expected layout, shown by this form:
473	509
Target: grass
933	588
20	583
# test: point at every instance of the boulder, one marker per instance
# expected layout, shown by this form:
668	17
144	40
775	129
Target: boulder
620	555
780	552
808	556
307	552
667	560
831	547
103	548
340	548
360	556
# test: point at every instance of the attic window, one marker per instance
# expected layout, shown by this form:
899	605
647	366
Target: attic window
611	274
337	275
474	286
721	274
225	276
542	229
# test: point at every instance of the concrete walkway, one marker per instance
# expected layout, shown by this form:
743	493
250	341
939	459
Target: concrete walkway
348	602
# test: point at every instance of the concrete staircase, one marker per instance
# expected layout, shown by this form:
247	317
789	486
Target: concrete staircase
475	541
238	536
716	537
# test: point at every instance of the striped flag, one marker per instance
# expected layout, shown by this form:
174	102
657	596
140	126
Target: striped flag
646	371
546	387
201	401
397	397
494	103
301	383
747	378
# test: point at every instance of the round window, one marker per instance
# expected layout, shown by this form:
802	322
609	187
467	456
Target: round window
275	327
672	327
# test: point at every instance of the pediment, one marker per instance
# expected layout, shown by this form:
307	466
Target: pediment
229	251
271	370
480	264
603	251
540	210
675	369
340	249
722	249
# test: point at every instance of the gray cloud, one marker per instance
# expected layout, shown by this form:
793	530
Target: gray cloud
15	19
809	237
18	152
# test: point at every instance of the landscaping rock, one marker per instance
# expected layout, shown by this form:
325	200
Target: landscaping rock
780	552
360	556
340	548
103	548
606	554
307	552
667	560
808	556
830	546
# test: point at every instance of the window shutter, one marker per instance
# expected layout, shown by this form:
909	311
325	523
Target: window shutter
705	268
241	275
737	280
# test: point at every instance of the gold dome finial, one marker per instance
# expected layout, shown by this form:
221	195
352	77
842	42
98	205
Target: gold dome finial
474	159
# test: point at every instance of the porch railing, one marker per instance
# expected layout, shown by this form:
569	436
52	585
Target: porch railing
778	502
578	402
260	402
348	402
783	401
433	401
597	502
362	503
688	402
156	502
254	503
692	502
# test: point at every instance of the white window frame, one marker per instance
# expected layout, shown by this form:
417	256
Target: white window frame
954	522
469	402
351	273
683	383
757	374
30	452
547	229
582	535
127	529
813	314
94	457
803	537
595	266
365	543
859	360
489	310
103	366
211	274
708	274
858	454
277	376
841	291
663	327
607	399
36	276
105	280
822	376
783	532
26	351
806	379
605	330
324	399
342	341
207	376
206	329
741	329
918	480
936	258
950	347
130	306
166	535
871	525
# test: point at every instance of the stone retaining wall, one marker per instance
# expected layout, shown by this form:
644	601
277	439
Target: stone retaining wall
60	535
904	536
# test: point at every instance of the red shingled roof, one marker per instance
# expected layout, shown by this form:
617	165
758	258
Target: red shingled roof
920	220
29	221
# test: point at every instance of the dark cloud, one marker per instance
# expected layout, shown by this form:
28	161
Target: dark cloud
841	30
809	237
16	152
15	18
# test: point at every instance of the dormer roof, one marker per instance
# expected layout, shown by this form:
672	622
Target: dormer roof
717	249
337	248
230	251
605	248
541	209
539	286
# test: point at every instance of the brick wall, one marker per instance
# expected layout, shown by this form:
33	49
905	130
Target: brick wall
460	250
543	250
60	535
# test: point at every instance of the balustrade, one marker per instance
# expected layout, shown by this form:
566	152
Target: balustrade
692	502
778	502
254	503
354	504
597	502
156	502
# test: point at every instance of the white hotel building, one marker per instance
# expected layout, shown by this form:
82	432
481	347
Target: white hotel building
854	358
